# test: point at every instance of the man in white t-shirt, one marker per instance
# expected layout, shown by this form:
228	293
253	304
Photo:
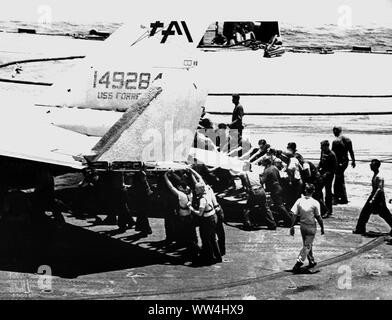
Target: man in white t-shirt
307	210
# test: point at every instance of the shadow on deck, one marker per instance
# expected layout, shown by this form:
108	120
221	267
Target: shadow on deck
68	250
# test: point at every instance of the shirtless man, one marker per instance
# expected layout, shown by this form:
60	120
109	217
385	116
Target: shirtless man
376	201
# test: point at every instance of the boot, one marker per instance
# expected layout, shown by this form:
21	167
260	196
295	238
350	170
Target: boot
297	267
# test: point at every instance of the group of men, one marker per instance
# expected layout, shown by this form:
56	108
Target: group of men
196	206
296	185
239	34
287	171
116	198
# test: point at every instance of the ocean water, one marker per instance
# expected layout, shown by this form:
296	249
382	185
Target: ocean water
330	35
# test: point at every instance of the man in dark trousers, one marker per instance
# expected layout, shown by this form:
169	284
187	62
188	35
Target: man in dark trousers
256	198
327	168
113	200
210	253
341	146
310	174
236	125
142	196
271	180
376	201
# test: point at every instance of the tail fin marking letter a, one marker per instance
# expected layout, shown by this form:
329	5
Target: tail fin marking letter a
170	32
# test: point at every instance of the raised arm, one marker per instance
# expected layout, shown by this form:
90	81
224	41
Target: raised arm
170	185
145	183
254	156
196	176
234	150
257	161
244	156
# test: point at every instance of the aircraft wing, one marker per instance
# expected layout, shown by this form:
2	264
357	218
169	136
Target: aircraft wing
25	135
157	127
157	130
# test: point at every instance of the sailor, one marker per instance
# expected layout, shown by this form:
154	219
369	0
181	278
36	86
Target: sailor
375	204
142	194
280	166
294	174
186	228
210	253
236	125
341	146
284	179
222	138
44	195
113	200
307	210
308	170
256	153
256	198
205	119
220	231
248	34
270	154
239	34
271	180
86	197
170	208
310	174
208	176
327	168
